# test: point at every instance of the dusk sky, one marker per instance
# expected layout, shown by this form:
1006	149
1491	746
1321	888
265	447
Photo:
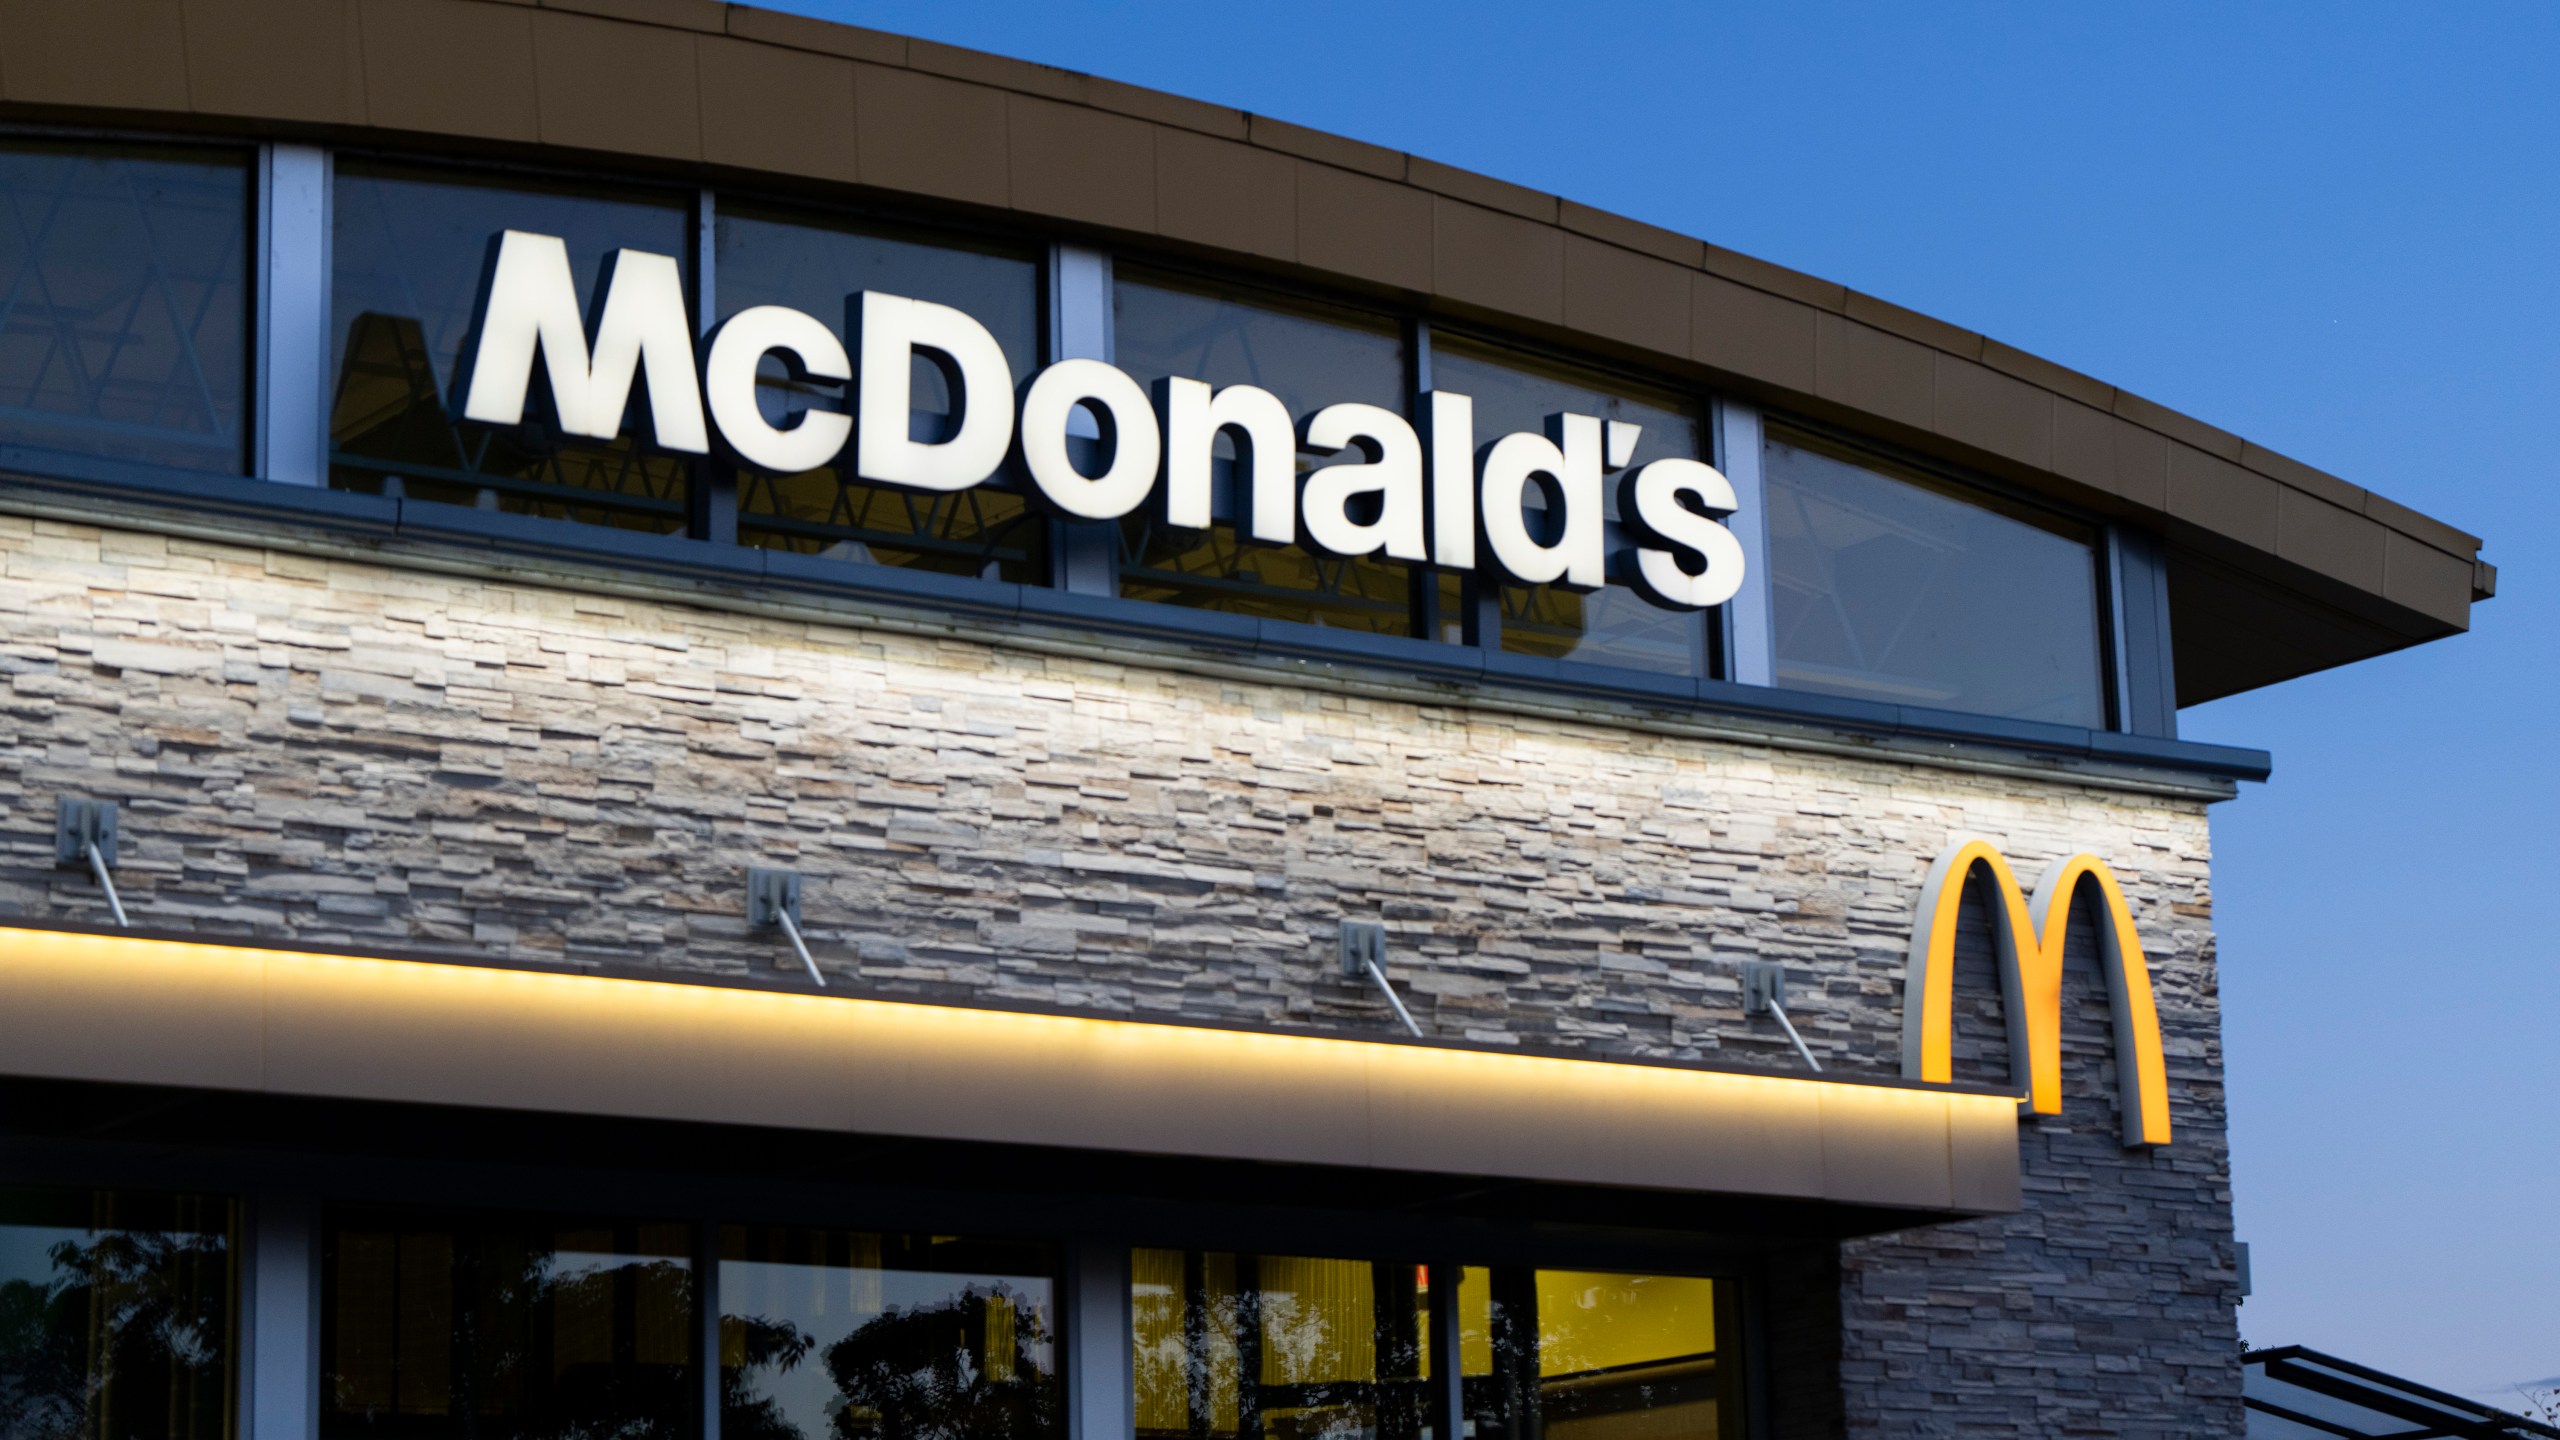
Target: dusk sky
2331	228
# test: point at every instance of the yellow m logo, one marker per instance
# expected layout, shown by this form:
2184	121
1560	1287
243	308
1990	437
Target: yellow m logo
2028	936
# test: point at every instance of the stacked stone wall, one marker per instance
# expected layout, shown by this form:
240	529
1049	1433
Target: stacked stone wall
348	751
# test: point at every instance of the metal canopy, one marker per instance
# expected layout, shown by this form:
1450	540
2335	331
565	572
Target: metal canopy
2295	1393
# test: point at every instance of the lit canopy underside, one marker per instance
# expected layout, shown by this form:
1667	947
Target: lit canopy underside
127	1009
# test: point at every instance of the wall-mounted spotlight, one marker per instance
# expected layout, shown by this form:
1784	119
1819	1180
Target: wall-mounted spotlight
84	838
1362	950
1764	991
773	901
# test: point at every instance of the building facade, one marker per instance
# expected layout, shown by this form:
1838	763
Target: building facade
720	726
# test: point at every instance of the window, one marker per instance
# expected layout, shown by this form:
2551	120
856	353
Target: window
845	1335
1309	357
440	1324
1273	1347
117	1315
1611	626
1250	1346
1889	584
124	326
410	246
817	267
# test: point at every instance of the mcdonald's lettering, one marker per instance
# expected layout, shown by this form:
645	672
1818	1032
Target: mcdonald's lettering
2028	934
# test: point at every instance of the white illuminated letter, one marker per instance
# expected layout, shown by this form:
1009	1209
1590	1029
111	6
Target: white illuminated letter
1128	431
1577	560
893	329
729	384
1394	476
1449	418
1267	457
533	305
1651	498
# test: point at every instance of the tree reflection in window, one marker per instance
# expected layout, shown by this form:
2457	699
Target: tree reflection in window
843	1335
116	1315
441	1324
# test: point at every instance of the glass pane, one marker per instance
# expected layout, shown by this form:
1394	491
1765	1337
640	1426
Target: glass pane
1310	358
1279	1346
817	266
410	248
117	1315
1627	1357
1614	625
438	1324
843	1335
1888	587
124	303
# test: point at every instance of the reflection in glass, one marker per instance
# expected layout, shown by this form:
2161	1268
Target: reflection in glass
1310	358
1626	1357
442	1324
117	1311
817	266
1278	1346
409	248
124	302
841	1335
1890	587
1267	1347
1614	625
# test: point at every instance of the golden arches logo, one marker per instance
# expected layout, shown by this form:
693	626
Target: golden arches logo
2028	938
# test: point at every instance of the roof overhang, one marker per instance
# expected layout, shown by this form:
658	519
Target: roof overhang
2276	568
134	1010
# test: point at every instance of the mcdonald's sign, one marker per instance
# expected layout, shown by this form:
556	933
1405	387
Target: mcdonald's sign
2028	935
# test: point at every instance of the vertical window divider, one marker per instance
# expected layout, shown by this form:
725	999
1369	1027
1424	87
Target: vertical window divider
2142	669
706	1299
1446	1412
290	428
712	497
1429	623
1088	560
1479	594
1101	1398
1749	618
282	1300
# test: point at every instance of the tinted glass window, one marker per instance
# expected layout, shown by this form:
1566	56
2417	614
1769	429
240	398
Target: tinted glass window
410	249
124	303
437	1324
1253	1346
1614	625
1892	586
847	1335
117	1315
816	266
1310	358
1282	1347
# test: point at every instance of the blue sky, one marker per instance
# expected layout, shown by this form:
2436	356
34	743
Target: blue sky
2332	228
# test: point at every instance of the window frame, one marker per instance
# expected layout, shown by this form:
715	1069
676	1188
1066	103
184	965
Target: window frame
254	280
2015	502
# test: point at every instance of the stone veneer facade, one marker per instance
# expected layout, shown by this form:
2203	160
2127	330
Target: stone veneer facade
329	748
